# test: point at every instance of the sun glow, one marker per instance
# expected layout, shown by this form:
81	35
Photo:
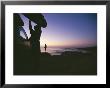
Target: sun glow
64	30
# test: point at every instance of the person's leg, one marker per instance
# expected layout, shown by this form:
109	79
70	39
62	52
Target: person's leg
45	49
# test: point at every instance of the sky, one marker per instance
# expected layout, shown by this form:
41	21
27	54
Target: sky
66	29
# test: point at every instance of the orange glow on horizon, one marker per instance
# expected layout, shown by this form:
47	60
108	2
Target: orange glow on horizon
65	43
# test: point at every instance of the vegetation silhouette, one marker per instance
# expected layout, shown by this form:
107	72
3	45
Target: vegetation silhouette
30	55
17	24
19	49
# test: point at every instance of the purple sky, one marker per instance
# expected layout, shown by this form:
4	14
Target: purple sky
67	29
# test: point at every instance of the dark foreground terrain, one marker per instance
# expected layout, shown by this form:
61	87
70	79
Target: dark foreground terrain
68	63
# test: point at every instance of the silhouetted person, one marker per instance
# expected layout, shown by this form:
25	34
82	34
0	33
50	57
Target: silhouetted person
45	47
35	38
35	45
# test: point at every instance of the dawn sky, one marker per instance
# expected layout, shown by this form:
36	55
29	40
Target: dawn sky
67	29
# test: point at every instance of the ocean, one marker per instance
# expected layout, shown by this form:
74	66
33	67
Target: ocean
58	51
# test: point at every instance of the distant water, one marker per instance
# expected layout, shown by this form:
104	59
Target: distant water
58	51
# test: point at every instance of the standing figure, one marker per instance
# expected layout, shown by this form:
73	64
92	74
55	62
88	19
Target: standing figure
35	46
35	39
45	47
